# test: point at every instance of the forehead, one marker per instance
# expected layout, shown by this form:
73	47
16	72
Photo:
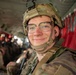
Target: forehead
39	19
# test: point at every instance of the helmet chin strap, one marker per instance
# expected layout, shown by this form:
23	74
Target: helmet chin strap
42	48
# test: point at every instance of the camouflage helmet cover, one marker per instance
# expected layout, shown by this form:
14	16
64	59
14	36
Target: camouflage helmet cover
42	9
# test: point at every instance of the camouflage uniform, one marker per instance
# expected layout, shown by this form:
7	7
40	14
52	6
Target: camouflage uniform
63	64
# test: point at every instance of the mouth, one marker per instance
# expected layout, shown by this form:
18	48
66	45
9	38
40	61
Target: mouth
39	40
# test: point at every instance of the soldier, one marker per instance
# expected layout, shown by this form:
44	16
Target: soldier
42	25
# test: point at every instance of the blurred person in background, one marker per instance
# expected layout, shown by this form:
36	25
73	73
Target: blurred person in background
8	52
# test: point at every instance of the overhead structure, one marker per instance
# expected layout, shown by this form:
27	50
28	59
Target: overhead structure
11	12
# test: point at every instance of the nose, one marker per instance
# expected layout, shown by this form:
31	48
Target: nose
38	31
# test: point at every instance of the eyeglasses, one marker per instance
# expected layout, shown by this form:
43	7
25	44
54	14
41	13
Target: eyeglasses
44	26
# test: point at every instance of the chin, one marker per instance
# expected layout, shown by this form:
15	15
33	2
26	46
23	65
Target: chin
37	44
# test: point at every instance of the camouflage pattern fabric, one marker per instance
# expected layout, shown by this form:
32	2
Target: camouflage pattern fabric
62	65
30	65
65	64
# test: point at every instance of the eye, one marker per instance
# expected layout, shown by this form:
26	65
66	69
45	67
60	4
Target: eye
45	25
31	27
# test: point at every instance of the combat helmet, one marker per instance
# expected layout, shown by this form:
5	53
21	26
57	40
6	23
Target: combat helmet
42	9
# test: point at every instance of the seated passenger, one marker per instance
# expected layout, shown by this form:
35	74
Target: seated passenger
42	24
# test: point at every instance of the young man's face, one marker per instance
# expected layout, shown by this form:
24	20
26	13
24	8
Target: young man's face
40	29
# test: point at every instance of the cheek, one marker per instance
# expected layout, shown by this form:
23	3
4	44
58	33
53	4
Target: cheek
53	35
47	34
30	37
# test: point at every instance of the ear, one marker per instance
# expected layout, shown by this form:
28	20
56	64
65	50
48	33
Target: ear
56	31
